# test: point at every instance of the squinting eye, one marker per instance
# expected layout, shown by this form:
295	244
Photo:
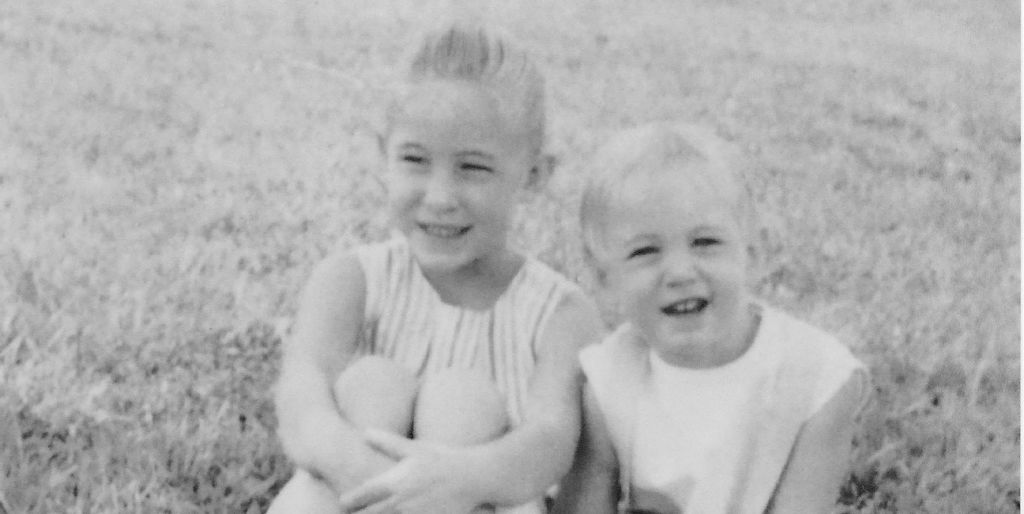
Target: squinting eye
706	241
476	168
642	251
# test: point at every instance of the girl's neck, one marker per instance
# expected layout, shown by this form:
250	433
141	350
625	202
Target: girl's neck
479	284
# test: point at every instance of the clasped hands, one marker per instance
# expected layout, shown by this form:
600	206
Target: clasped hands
428	478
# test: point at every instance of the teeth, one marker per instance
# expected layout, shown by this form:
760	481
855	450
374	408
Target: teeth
687	306
443	231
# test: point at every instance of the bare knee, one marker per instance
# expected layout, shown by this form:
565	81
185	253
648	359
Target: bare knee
303	493
374	392
460	407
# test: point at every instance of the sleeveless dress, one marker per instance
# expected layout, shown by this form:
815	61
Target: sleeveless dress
714	440
406	321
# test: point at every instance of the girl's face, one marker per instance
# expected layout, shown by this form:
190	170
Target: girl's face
675	259
455	172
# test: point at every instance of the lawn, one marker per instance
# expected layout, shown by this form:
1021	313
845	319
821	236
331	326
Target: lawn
170	172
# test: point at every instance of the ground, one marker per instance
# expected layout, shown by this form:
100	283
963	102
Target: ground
170	171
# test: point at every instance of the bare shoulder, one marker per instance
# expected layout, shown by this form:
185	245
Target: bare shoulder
330	311
578	305
575	321
335	283
339	272
556	380
842	408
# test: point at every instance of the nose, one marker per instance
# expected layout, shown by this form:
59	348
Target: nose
680	268
440	192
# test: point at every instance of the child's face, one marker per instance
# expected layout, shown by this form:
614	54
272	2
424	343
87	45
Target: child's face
455	172
675	258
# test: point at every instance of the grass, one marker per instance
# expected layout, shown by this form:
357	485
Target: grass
170	171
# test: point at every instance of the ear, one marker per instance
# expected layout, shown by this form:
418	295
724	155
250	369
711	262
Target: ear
378	172
755	268
540	173
600	277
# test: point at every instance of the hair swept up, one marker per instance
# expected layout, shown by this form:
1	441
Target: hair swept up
474	53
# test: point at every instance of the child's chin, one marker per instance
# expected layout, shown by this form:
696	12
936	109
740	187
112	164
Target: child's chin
437	248
438	261
685	340
686	324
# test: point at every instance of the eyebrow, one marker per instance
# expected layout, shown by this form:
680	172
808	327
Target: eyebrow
715	229
644	238
410	146
475	153
647	238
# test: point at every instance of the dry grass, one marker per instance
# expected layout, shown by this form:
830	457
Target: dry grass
170	171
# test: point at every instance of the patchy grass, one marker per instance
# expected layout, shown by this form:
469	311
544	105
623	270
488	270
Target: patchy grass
169	172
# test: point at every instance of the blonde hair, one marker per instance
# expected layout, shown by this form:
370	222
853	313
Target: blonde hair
643	152
474	54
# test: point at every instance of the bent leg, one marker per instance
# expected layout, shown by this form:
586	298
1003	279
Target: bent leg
463	407
304	493
372	392
459	407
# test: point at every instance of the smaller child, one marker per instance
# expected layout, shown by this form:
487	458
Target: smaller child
705	400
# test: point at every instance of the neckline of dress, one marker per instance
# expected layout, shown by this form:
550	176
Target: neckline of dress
750	357
436	297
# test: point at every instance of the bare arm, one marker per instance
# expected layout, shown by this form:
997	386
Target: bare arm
521	465
821	456
592	484
513	469
312	431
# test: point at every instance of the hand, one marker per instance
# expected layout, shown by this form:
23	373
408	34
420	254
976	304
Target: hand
356	472
429	478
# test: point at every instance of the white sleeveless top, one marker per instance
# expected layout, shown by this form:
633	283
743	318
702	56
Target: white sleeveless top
406	321
714	440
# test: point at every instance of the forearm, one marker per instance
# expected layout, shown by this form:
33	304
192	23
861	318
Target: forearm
591	486
528	460
587	490
318	439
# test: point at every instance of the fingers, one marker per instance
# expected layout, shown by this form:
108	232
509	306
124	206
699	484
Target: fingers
392	445
377	495
365	498
386	507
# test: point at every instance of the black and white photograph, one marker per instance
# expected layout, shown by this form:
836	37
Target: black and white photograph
510	257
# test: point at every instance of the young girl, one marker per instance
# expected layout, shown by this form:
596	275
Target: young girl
705	400
437	371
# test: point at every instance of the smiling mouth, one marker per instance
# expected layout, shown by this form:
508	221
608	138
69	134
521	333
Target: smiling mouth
444	231
685	307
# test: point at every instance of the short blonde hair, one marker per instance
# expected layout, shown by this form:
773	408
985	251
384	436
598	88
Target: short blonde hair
475	54
643	152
